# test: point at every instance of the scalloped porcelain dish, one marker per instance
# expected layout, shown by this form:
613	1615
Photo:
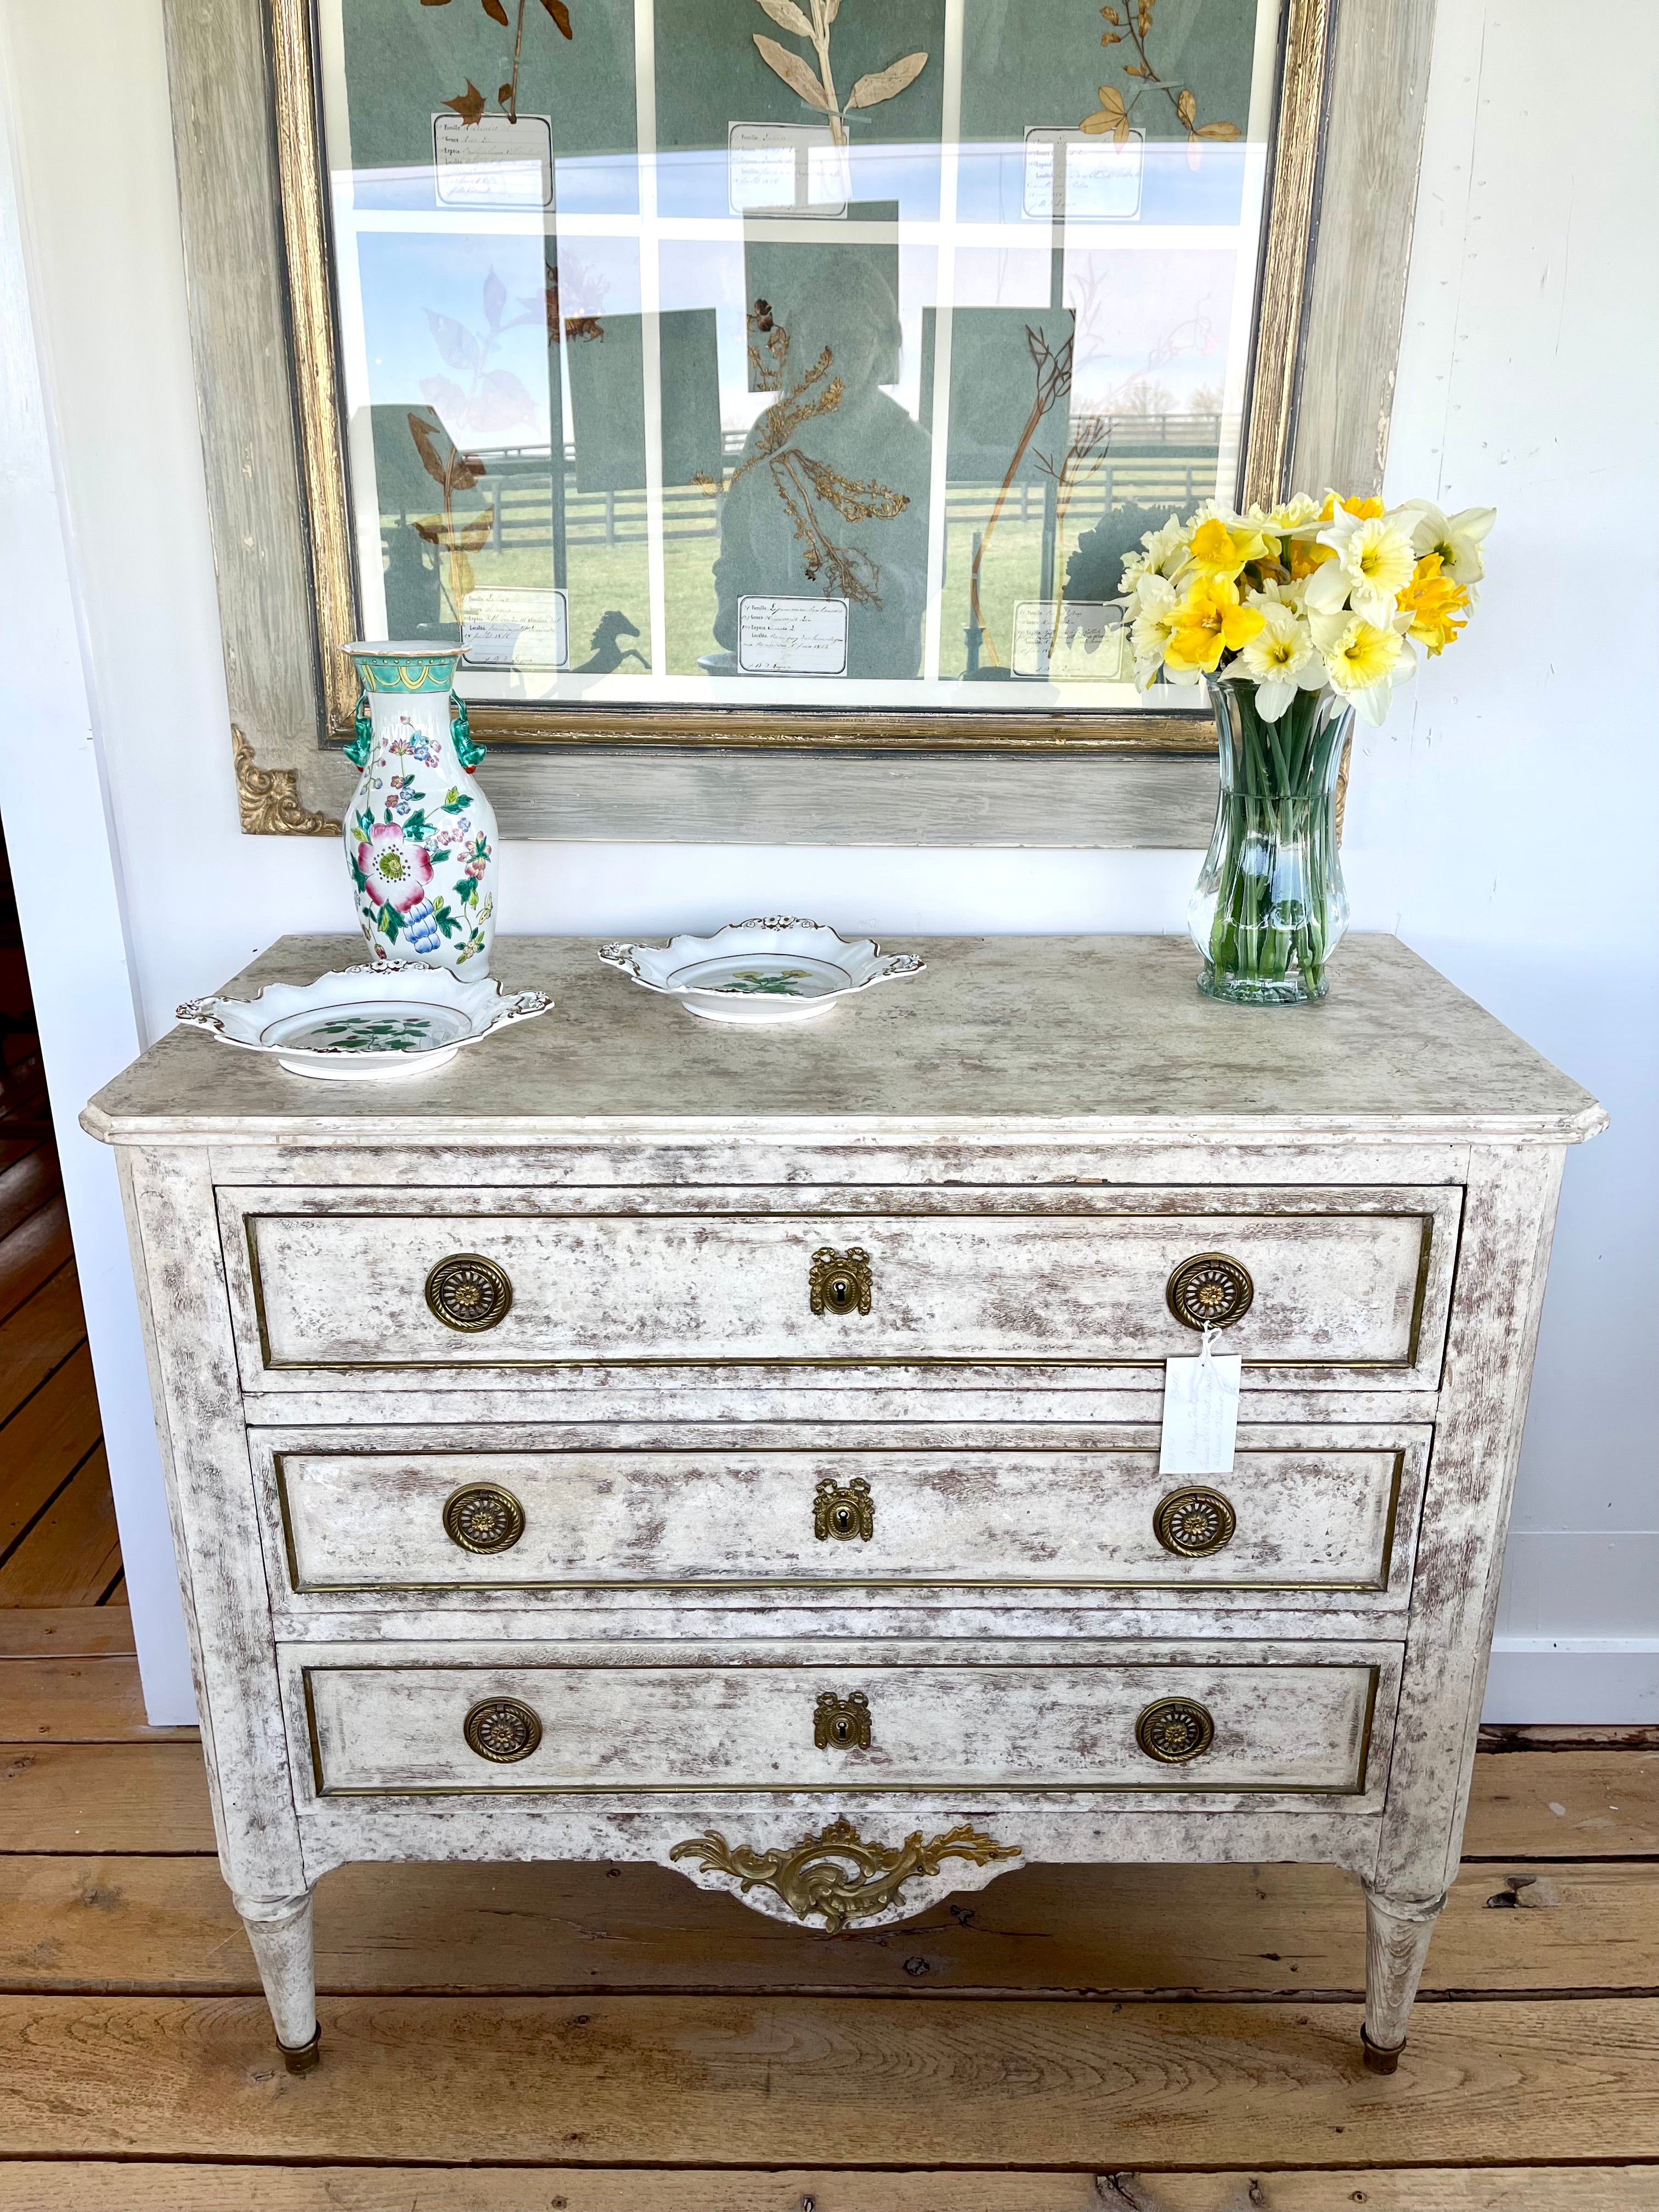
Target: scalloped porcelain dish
377	1024
772	970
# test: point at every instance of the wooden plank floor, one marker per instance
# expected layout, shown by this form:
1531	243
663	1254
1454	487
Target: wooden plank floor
597	2039
57	1540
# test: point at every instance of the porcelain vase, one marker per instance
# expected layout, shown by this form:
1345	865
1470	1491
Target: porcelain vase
420	834
1270	905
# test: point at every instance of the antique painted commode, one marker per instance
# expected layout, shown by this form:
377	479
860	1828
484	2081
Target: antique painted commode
648	1440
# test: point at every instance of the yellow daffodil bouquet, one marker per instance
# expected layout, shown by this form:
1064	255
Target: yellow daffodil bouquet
1308	595
1299	617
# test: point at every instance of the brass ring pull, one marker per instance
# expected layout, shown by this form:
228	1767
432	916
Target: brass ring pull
841	1723
502	1729
483	1517
843	1510
1174	1730
469	1293
1210	1291
1193	1523
839	1281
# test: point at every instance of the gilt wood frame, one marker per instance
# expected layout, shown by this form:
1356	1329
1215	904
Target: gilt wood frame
1344	172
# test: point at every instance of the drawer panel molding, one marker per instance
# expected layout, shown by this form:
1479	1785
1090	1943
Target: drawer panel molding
1176	1724
1325	1514
1351	1282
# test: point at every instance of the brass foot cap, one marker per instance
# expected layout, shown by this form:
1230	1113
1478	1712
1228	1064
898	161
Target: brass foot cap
1378	2061
303	2056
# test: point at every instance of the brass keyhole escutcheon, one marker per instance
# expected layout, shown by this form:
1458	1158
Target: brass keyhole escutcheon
1210	1291
839	1281
1174	1730
468	1293
502	1729
841	1723
1193	1523
843	1510
483	1517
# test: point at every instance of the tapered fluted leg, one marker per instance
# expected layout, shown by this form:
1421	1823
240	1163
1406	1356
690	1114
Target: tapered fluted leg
1397	1932
279	1928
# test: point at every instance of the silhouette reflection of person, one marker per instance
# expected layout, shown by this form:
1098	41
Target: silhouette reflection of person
830	496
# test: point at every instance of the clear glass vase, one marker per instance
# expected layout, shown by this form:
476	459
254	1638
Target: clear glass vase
1270	907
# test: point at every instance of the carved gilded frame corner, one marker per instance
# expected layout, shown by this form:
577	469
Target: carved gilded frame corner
1344	167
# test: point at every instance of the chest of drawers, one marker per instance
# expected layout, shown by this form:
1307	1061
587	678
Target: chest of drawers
740	1450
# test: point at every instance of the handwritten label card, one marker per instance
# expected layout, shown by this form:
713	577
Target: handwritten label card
792	637
1074	174
493	163
1077	642
785	169
522	628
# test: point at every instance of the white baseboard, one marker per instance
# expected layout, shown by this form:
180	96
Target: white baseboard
1568	1682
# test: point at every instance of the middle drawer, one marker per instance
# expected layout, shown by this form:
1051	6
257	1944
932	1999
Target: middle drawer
1302	1510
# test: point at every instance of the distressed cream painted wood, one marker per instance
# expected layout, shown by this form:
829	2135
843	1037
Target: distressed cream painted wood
1356	302
1064	1720
1024	1145
1342	1281
1340	1519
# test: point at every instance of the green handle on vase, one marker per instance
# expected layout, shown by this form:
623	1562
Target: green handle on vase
470	752
358	749
466	745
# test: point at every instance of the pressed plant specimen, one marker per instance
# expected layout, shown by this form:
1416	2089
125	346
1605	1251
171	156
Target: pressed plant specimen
816	86
1052	367
800	481
456	540
1132	25
471	104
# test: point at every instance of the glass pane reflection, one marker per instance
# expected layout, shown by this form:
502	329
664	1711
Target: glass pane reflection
764	355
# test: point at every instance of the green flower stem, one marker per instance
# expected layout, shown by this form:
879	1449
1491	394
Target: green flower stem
1273	863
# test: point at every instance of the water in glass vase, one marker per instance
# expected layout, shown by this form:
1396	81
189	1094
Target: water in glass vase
1270	907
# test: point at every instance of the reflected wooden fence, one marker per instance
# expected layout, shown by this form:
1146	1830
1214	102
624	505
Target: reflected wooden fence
1154	460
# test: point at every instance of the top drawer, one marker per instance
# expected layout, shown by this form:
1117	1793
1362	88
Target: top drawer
334	1281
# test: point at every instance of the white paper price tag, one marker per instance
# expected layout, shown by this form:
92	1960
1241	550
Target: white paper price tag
1200	1414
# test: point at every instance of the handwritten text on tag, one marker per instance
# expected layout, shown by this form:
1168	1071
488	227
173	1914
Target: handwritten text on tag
1200	1414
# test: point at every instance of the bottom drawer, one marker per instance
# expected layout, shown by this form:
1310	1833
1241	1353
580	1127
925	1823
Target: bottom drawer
1072	1721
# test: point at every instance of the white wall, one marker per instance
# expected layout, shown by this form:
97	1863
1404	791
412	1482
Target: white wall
69	897
1504	824
1494	823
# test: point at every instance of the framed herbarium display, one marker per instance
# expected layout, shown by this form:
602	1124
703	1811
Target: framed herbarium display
765	376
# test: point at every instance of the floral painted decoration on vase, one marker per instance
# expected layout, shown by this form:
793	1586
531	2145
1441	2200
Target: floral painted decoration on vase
420	834
1298	618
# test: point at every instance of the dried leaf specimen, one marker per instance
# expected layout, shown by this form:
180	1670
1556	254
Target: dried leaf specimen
766	375
456	541
491	400
1111	115
470	104
587	290
852	574
1053	365
1114	113
886	84
800	481
818	88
